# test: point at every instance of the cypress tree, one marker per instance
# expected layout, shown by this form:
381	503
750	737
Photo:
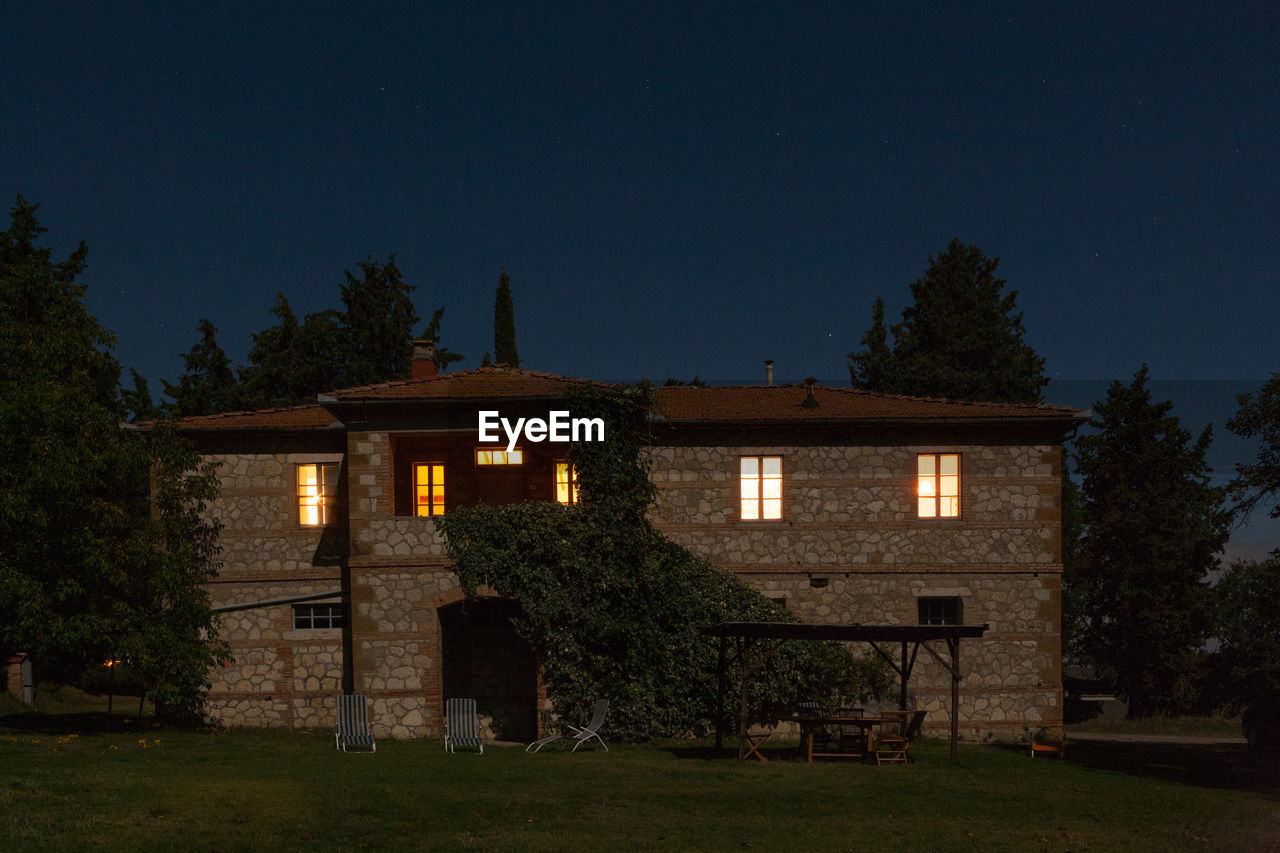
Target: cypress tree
504	324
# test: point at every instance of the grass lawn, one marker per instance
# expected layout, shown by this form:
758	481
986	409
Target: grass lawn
1211	726
89	781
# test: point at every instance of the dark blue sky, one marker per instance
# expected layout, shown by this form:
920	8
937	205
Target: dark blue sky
678	189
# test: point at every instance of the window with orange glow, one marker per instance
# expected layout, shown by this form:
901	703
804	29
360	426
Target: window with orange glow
428	488
317	493
760	485
499	457
938	485
566	483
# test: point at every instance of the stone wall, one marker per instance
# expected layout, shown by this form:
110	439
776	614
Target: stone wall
277	676
850	548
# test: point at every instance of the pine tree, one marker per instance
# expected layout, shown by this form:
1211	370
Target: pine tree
377	320
292	362
1153	528
444	357
208	385
504	324
869	369
961	338
1258	417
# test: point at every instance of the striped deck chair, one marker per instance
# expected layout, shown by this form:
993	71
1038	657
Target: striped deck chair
461	724
353	724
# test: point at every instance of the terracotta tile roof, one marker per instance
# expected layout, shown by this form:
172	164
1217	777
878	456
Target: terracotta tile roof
783	403
681	403
481	382
313	416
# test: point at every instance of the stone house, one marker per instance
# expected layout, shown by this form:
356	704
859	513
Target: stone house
845	506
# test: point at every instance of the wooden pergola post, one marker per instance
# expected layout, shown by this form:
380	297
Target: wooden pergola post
913	636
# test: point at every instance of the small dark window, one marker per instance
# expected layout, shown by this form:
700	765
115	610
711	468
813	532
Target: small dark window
781	601
308	616
941	610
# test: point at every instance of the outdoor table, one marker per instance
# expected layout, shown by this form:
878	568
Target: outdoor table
809	723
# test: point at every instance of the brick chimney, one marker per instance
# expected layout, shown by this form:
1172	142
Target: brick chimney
424	359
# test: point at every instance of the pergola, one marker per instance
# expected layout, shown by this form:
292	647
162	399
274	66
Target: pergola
909	637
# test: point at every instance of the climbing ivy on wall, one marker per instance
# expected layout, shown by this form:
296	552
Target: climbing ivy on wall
612	608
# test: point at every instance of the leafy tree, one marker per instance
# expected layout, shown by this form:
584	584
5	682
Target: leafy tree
208	385
1247	625
137	402
612	608
1153	527
79	534
962	338
377	319
504	324
1258	417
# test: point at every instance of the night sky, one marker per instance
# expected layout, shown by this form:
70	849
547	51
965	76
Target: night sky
678	189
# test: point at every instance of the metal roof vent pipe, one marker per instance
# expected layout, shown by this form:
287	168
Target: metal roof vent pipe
810	402
768	371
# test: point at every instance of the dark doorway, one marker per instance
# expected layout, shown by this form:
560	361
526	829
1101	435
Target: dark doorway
486	661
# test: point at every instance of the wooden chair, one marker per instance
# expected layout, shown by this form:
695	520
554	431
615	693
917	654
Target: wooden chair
893	747
854	739
751	743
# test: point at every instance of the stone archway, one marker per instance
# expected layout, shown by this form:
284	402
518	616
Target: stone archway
484	659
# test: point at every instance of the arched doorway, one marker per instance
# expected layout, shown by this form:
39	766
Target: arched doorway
485	660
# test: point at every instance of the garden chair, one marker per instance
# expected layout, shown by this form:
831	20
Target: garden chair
352	728
461	725
823	737
592	729
1041	744
893	747
579	734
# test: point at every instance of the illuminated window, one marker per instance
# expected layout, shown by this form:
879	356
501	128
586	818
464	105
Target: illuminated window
317	493
566	483
309	616
428	487
940	610
499	457
760	498
938	485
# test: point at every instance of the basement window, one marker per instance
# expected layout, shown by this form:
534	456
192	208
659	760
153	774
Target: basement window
308	617
317	493
940	610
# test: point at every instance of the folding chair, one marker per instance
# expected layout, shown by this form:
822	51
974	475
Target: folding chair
894	747
352	728
461	725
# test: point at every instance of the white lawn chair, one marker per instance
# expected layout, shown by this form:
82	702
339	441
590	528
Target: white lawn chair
579	736
592	729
